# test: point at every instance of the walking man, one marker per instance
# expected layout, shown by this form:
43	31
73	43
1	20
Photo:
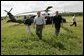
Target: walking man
74	21
57	20
28	23
39	22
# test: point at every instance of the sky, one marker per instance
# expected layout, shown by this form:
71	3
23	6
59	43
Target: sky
27	6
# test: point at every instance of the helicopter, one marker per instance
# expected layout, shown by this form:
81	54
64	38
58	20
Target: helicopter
13	19
47	16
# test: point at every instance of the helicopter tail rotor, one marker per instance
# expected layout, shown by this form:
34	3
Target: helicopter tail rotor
7	12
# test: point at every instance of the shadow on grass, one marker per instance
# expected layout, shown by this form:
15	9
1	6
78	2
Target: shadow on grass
31	37
67	29
50	42
69	35
55	44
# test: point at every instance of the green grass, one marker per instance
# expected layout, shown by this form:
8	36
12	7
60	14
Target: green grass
16	41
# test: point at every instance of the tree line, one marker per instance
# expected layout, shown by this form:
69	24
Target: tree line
72	13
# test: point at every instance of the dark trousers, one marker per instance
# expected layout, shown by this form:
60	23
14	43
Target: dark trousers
57	29
74	23
39	29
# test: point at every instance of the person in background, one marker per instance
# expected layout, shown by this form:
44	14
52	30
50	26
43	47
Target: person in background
39	22
28	23
74	21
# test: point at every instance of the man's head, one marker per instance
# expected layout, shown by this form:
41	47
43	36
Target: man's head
57	12
38	13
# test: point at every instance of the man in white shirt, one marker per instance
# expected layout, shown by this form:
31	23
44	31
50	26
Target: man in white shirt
39	20
74	21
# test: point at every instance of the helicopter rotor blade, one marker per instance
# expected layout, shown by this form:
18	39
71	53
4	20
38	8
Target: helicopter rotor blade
48	8
10	9
29	12
6	11
6	15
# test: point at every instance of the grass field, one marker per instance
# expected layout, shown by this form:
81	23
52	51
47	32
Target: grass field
16	41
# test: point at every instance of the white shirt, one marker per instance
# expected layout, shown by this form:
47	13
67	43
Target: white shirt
39	20
74	18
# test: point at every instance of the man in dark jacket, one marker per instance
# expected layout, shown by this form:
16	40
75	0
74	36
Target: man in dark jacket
28	23
57	20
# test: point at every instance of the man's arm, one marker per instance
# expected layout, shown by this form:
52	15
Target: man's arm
61	21
34	22
34	25
44	22
52	21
